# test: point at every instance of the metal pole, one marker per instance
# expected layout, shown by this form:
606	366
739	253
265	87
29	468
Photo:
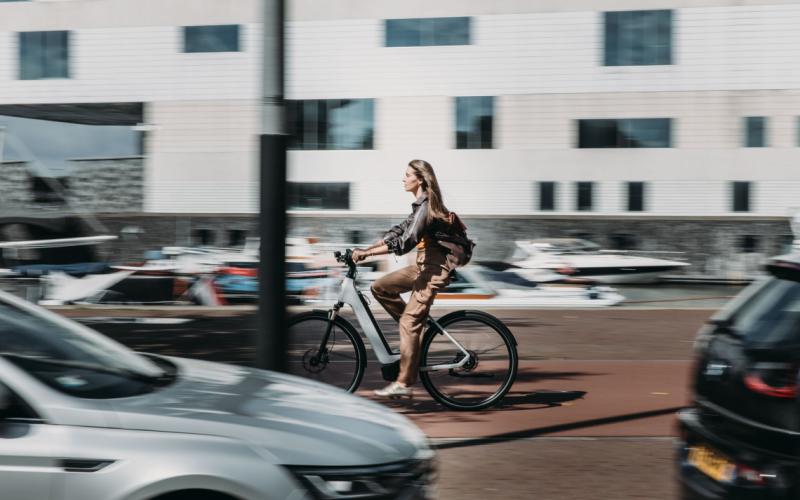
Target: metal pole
271	334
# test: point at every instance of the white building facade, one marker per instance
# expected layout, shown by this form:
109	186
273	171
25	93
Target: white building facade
588	110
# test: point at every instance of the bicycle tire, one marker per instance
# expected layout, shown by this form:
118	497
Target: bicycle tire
299	350
508	340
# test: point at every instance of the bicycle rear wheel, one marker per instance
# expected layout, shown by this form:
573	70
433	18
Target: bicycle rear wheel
343	360
490	371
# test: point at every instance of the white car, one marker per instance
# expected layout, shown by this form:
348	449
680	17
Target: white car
84	418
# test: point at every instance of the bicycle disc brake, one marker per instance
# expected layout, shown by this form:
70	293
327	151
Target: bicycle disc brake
315	361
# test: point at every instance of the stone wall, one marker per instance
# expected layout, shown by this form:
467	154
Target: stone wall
714	247
15	184
109	185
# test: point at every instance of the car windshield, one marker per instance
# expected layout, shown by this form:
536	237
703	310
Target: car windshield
772	316
70	357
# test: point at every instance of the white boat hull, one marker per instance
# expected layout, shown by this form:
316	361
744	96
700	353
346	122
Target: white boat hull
610	279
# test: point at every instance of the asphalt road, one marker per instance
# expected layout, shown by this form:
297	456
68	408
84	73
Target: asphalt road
608	437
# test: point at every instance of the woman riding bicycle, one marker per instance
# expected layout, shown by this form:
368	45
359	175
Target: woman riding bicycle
424	279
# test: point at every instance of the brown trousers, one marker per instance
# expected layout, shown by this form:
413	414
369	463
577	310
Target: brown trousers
424	279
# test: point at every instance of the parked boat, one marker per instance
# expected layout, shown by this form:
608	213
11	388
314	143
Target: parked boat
581	259
475	286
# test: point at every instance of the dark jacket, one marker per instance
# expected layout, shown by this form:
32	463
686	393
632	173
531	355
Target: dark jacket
403	237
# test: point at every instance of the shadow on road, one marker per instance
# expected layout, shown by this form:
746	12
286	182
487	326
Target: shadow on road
583	424
512	402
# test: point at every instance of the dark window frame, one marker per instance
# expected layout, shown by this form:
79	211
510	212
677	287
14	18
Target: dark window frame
300	193
755	132
584	196
312	124
636	191
750	243
203	236
548	192
427	32
629	41
196	39
236	237
601	133
741	196
472	134
44	55
797	131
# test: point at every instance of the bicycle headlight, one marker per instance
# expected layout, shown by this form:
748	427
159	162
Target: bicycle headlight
412	480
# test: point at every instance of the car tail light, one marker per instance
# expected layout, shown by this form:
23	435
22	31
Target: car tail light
750	475
777	380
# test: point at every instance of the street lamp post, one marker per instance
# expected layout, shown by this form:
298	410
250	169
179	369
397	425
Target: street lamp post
271	334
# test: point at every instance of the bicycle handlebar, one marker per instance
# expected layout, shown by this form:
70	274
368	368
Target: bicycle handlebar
347	259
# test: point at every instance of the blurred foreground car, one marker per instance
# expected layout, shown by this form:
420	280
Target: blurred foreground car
741	437
82	417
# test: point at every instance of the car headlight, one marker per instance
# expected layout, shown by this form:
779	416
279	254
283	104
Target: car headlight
410	480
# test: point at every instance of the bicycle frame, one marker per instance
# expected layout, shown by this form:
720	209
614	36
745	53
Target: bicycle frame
351	296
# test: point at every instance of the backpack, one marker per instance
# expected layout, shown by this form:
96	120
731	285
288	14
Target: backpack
455	240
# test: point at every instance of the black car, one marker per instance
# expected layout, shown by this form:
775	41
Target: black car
740	439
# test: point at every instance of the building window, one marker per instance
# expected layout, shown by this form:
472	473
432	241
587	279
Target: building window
749	244
43	54
202	237
219	38
319	196
741	196
236	237
755	130
625	133
547	196
638	38
635	196
623	241
583	196
474	117
427	31
331	124
797	131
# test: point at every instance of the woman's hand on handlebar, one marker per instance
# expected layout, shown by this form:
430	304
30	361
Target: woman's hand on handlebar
359	255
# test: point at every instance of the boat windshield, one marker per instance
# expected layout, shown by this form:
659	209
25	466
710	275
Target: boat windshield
69	357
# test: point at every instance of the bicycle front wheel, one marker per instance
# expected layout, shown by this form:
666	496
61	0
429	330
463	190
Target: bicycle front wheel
490	370
341	362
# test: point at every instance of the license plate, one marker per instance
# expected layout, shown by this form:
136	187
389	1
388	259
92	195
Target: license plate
711	463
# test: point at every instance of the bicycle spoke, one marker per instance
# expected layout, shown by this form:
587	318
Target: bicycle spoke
482	379
340	364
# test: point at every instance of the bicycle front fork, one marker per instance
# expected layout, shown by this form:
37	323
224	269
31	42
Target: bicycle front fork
322	351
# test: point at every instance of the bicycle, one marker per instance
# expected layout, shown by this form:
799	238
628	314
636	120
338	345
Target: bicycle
468	359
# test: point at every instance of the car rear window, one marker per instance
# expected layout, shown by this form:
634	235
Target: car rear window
772	316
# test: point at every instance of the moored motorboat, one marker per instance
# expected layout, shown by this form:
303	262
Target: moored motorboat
581	259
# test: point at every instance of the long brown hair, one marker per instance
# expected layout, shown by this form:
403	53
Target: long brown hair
436	208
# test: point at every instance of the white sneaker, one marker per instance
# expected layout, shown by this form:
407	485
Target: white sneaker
395	391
